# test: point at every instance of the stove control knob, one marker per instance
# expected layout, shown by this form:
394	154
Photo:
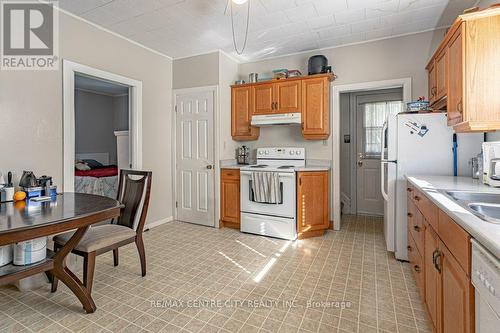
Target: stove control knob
260	152
266	152
292	152
298	152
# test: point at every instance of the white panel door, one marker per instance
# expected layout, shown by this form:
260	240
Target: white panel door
195	191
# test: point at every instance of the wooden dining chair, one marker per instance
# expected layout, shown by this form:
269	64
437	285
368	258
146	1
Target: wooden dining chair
133	192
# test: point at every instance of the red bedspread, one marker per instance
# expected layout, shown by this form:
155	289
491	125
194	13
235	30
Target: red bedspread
107	171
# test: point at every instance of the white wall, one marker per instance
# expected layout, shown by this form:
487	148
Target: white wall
228	73
120	113
94	124
197	71
31	107
486	3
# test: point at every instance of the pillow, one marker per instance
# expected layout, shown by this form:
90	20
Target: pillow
82	166
93	164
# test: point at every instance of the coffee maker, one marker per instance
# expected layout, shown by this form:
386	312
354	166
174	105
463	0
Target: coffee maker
491	163
242	155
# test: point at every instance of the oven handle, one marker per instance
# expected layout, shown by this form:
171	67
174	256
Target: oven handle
281	175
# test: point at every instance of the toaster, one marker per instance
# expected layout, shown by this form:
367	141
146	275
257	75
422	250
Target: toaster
491	163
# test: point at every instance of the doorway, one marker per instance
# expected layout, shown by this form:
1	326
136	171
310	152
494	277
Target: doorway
195	155
77	76
359	113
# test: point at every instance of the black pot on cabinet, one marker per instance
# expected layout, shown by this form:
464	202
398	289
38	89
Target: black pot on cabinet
317	64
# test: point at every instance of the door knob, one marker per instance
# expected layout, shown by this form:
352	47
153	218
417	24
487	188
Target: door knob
209	167
360	160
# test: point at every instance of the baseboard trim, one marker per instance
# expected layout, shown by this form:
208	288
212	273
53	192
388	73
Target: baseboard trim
155	224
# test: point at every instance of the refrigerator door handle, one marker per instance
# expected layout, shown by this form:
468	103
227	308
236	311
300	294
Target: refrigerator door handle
384	130
382	180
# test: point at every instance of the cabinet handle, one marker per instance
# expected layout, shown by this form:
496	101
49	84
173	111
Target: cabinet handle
459	107
436	259
409	248
302	126
417	268
409	215
409	189
417	198
416	228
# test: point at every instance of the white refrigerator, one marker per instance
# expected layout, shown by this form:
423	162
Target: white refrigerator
417	144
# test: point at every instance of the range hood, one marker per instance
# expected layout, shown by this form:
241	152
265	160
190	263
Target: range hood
277	119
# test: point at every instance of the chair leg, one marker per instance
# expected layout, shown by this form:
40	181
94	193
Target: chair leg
142	253
88	270
55	280
115	257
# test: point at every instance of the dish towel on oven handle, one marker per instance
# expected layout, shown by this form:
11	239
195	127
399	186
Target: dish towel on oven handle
266	187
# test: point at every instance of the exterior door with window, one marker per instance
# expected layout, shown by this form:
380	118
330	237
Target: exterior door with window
195	157
371	113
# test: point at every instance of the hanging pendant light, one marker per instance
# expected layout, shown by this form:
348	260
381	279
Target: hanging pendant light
239	2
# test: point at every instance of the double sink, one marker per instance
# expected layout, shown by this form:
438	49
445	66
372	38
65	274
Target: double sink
486	206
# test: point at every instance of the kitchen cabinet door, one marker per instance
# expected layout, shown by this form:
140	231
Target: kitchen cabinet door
241	114
456	295
230	198
455	79
287	96
315	108
441	64
312	203
263	99
431	81
432	277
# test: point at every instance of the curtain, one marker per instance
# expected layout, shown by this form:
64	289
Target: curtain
374	116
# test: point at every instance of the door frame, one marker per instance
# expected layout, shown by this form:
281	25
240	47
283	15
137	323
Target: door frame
70	69
405	83
216	151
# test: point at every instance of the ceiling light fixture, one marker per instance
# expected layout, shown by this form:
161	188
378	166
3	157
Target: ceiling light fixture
239	2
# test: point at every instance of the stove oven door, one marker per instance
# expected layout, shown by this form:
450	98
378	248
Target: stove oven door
287	206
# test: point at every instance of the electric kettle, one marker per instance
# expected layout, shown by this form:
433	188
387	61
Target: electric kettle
28	180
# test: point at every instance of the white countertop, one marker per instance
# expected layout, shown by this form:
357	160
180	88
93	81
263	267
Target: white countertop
486	233
305	168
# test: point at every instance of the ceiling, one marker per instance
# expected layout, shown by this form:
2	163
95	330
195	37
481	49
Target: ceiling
179	28
99	86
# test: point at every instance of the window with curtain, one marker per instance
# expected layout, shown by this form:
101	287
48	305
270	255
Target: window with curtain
374	116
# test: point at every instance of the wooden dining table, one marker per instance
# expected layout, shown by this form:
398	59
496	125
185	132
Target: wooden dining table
26	220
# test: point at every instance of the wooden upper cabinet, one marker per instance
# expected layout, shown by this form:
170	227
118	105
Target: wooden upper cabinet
287	96
465	72
431	81
441	74
456	295
312	203
241	114
263	95
308	95
455	77
315	108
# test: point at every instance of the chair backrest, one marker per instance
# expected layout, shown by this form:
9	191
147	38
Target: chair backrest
133	192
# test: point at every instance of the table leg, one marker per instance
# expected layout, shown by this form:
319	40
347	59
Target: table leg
61	272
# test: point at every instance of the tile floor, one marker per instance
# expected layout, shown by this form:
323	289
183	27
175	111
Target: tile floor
342	282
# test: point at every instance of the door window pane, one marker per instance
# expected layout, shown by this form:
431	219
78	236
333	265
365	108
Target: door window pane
374	116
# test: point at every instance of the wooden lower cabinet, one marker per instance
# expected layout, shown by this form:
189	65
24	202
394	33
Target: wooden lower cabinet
446	288
456	295
230	198
431	274
312	203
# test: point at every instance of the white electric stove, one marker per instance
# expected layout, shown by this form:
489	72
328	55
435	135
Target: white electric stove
272	219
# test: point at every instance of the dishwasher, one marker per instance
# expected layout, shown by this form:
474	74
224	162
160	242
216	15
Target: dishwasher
486	281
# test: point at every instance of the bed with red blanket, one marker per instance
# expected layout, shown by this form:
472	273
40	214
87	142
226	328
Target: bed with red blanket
96	179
